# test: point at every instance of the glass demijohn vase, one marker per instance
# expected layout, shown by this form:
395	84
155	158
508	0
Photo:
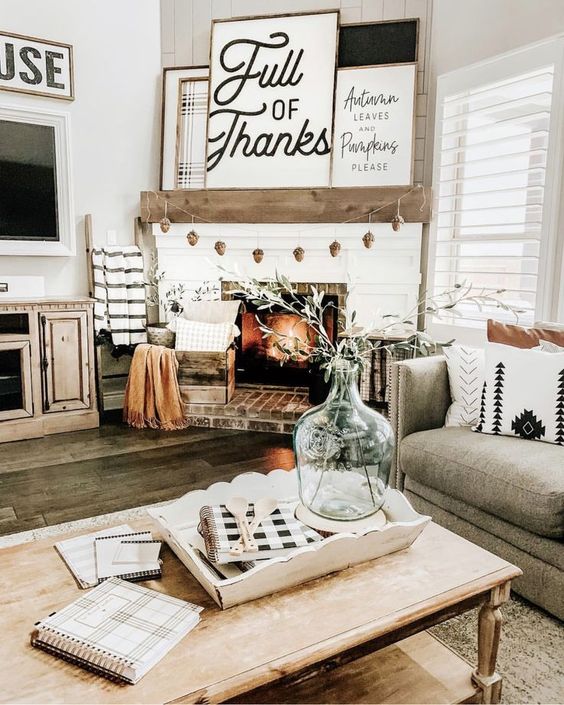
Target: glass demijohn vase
343	451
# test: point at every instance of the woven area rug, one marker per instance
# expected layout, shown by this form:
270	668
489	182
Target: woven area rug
531	656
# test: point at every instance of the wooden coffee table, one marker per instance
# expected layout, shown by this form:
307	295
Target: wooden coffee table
355	636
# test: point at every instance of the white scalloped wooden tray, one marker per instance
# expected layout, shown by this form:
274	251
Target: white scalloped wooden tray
178	522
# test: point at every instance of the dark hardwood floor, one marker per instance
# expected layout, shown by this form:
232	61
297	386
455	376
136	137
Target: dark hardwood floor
78	475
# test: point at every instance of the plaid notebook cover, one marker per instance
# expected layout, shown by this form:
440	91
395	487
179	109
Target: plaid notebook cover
276	535
118	629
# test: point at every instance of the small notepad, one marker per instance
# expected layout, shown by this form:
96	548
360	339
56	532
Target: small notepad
277	535
140	551
118	630
106	549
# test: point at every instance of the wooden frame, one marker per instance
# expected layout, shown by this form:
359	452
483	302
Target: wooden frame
169	118
65	246
265	17
26	410
67	47
413	65
417	20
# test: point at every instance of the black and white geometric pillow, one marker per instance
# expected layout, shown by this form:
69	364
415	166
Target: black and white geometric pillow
523	394
466	379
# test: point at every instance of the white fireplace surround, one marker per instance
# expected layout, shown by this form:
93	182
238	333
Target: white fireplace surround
382	280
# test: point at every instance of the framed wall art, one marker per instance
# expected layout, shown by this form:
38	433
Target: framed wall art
271	101
183	127
36	217
374	126
40	66
377	43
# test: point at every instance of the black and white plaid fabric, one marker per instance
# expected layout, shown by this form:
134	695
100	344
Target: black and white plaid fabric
281	531
118	628
191	149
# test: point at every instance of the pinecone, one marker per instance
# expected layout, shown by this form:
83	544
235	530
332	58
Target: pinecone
299	254
368	240
258	254
397	222
192	238
220	248
165	225
335	248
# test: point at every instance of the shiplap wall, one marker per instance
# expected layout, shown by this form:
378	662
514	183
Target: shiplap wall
185	35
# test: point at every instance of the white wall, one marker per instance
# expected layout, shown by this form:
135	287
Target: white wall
114	118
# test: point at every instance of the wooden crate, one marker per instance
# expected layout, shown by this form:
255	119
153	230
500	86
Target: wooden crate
206	377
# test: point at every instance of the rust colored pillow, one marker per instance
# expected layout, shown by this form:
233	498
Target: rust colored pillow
521	337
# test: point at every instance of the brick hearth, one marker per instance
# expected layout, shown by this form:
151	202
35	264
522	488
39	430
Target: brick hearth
254	408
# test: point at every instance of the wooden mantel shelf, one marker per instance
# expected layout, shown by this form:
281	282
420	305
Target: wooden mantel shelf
324	205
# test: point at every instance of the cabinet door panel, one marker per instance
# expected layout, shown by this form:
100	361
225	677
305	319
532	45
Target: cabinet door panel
65	361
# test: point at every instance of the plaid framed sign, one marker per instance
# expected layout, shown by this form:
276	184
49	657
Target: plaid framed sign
183	127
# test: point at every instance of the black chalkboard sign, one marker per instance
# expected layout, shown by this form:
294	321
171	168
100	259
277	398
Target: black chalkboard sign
373	43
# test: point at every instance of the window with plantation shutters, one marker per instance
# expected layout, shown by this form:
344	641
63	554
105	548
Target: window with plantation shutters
494	173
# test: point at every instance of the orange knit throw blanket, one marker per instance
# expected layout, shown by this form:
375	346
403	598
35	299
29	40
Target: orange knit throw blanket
152	395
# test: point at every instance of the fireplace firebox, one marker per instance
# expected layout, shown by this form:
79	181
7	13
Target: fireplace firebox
258	358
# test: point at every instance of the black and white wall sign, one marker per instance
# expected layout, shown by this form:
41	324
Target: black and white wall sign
30	65
374	112
271	101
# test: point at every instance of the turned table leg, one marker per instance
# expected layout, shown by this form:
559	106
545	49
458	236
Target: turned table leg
489	630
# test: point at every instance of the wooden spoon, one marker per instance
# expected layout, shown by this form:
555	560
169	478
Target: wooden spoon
238	507
263	508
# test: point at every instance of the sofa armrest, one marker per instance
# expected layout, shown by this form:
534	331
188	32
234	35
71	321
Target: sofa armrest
420	397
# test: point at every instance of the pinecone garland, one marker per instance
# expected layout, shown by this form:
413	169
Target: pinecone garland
192	238
258	254
165	224
220	247
335	248
299	254
368	240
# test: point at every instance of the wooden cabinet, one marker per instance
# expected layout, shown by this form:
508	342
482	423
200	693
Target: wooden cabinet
64	360
47	381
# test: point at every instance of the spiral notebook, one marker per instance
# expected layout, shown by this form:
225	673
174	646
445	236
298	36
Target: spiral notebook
277	535
118	630
80	556
108	549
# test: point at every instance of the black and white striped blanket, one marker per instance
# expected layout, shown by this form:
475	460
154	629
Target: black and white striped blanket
119	293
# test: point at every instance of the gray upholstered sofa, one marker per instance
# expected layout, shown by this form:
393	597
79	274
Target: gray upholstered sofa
505	494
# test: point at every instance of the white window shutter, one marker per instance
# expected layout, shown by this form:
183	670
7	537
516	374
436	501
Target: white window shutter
496	125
